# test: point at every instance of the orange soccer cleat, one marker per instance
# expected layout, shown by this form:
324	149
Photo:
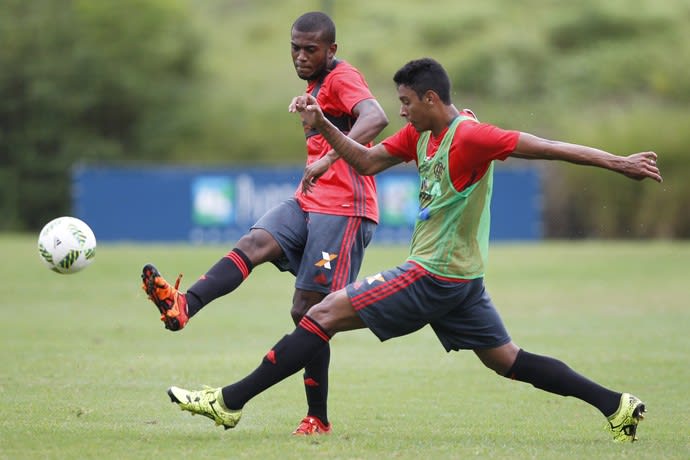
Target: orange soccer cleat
170	302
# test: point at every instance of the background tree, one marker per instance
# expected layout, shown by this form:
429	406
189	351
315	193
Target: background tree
87	81
207	82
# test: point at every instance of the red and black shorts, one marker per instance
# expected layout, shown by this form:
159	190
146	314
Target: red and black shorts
404	299
323	251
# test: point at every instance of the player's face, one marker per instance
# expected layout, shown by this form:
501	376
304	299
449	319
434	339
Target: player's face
413	109
310	55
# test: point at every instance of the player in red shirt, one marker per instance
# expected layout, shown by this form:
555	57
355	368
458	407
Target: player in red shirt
341	191
440	284
472	149
320	238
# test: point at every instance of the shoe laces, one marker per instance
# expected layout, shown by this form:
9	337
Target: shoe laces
169	294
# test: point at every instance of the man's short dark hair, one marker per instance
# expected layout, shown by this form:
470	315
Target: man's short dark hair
316	21
422	75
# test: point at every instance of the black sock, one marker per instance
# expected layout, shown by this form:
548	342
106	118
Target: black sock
288	356
221	279
316	384
554	376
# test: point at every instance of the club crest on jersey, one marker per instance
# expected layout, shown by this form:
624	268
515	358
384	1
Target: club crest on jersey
438	170
326	259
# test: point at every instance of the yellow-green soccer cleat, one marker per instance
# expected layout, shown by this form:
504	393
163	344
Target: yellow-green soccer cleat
623	423
207	402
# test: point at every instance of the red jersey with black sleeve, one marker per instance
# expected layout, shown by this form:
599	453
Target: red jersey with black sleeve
474	146
341	190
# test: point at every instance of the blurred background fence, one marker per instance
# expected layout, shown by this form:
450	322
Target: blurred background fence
183	204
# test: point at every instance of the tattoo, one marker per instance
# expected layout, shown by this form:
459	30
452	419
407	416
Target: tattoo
347	148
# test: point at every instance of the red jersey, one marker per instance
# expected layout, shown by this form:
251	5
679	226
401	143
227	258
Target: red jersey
341	190
473	148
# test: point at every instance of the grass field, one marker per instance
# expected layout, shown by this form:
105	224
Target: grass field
85	361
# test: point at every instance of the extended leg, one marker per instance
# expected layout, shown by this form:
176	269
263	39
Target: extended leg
554	376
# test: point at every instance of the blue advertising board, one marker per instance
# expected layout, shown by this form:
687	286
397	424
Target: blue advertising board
213	205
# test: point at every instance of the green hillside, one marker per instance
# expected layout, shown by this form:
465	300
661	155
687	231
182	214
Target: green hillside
609	74
188	81
588	70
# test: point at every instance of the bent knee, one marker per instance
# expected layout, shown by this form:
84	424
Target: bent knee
499	359
298	311
259	246
302	301
335	313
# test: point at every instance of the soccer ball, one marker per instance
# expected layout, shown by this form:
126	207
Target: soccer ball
67	245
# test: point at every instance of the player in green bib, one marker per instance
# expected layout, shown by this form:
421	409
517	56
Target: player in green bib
446	240
441	283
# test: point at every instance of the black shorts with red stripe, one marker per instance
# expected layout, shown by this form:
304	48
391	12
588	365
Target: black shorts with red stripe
404	299
323	251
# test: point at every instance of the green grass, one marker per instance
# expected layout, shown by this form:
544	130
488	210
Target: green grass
85	361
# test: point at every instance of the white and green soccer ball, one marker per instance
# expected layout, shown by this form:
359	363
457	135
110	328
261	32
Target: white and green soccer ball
67	245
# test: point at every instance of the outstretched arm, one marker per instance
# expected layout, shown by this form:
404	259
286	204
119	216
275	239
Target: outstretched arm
637	166
366	161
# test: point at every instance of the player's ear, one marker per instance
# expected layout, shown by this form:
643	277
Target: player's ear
430	97
332	49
